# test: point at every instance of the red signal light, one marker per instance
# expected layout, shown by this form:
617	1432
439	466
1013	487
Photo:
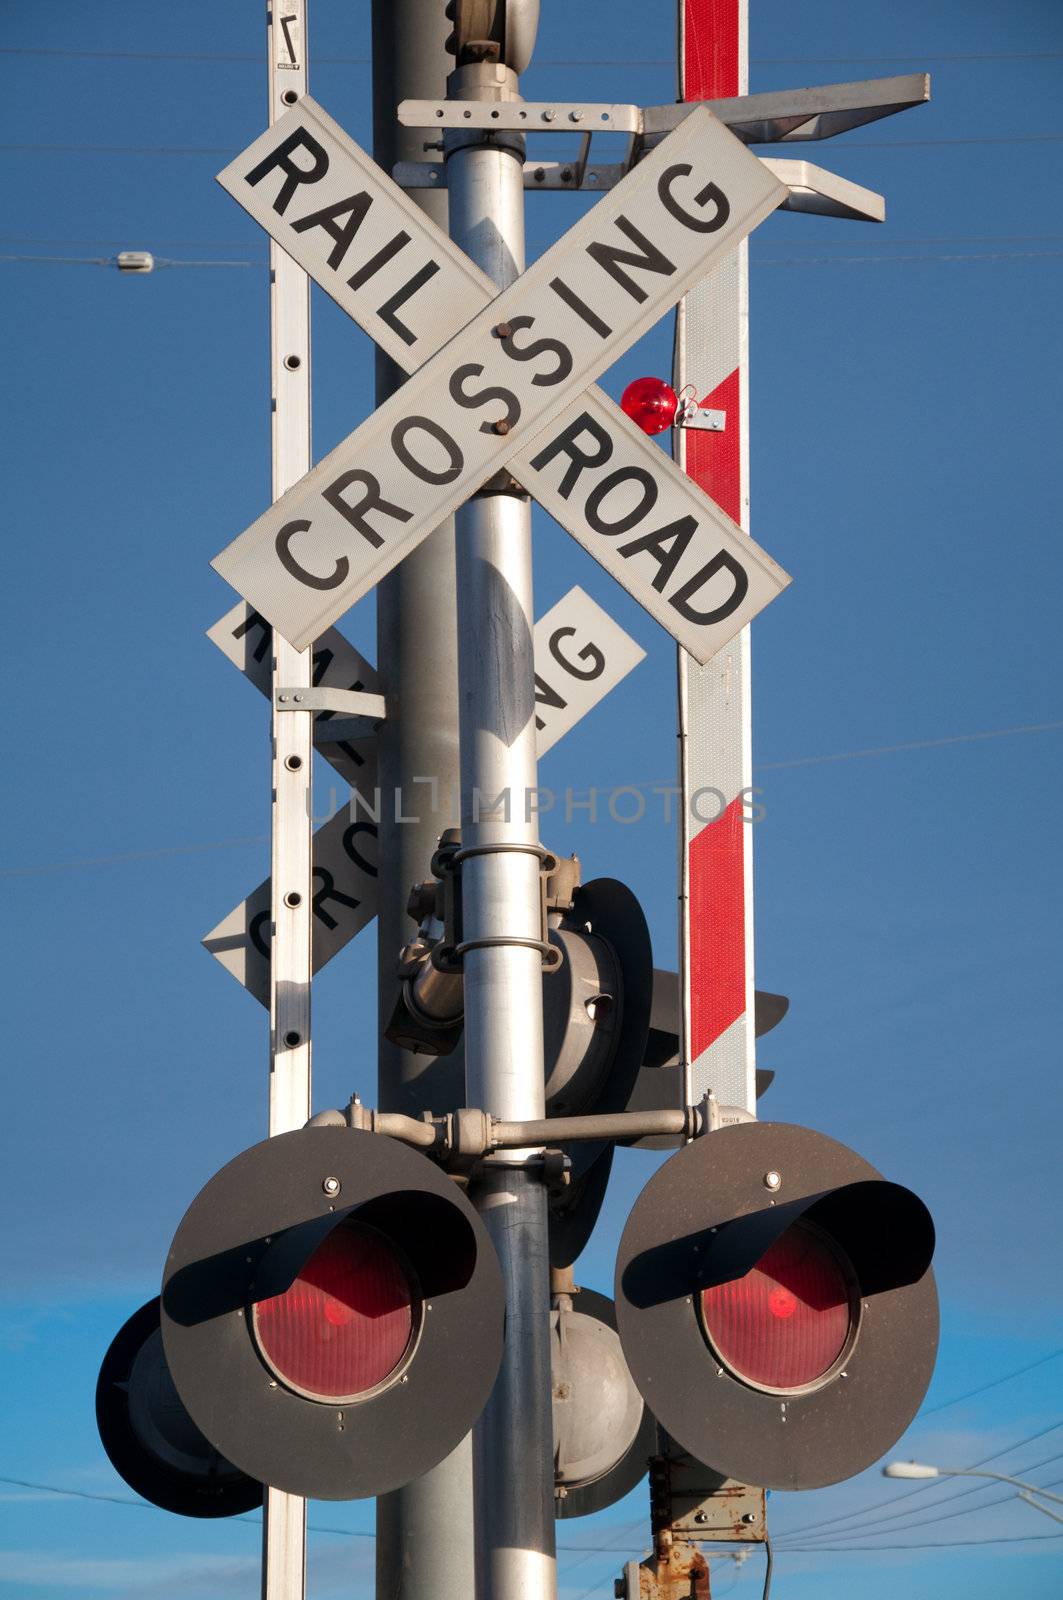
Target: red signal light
343	1327
789	1322
651	403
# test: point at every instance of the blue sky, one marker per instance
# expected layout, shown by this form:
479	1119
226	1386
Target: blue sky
905	405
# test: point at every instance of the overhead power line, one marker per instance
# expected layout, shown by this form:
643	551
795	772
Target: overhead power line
756	261
228	151
236	244
937	1513
887	1506
644	783
540	61
346	1533
888	1549
109	261
994	1383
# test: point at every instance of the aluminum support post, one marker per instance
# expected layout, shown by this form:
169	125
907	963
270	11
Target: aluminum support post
715	722
284	1515
425	1543
513	1441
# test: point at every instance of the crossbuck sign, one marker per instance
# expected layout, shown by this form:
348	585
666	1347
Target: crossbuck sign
508	388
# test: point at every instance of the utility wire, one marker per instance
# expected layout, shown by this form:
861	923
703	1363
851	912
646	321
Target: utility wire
644	783
844	261
236	244
994	1383
347	1533
937	1514
933	1483
758	261
229	150
540	61
888	1549
133	855
109	261
912	744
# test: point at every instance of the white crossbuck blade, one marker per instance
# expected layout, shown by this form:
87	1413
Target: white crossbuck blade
508	388
580	655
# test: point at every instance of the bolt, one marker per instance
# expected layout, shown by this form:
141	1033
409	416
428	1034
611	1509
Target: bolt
549	114
701	1516
749	1517
539	174
502	330
575	116
772	1180
619	1588
282	699
566	174
501	426
298	699
331	1185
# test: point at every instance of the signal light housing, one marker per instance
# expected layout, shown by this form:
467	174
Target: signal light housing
776	1306
592	1381
651	403
333	1313
149	1437
596	1019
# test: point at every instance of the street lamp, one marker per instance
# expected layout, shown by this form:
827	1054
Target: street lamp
919	1469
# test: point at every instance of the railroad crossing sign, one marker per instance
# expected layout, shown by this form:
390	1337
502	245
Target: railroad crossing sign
338	531
580	655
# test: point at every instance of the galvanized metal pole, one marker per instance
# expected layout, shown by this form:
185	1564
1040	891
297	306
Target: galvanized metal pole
425	1542
284	1515
502	915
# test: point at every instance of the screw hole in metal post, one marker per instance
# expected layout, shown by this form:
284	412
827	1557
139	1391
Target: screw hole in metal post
293	763
293	898
292	1038
293	363
290	96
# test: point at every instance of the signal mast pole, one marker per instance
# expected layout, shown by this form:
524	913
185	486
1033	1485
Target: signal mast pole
501	896
424	1532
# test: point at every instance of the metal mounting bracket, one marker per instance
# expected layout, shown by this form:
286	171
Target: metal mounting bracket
702	419
780	115
812	188
360	713
826	194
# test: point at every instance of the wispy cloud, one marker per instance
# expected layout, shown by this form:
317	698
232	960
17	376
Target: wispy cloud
191	1574
335	1569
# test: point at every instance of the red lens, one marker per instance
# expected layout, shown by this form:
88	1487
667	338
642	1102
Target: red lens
788	1320
347	1320
651	403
